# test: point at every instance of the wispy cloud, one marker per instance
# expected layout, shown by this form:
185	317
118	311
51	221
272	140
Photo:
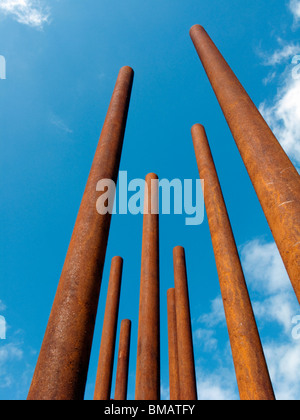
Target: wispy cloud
275	307
218	383
282	113
281	55
15	364
264	268
216	316
274	304
284	365
295	9
33	13
2	306
60	124
9	353
216	386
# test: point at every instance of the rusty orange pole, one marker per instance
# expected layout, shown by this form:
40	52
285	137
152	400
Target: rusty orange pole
63	362
109	331
148	352
186	362
275	179
123	361
251	369
173	347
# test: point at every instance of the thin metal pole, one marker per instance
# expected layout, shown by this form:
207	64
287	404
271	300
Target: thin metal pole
251	369
148	352
186	361
63	362
123	361
275	179
109	332
173	347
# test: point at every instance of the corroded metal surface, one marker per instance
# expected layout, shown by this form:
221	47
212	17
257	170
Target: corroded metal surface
109	332
173	349
123	361
148	352
63	362
251	370
186	363
275	179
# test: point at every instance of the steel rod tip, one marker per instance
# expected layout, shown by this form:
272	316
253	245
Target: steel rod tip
117	260
127	69
196	128
126	321
196	28
170	291
178	251
151	176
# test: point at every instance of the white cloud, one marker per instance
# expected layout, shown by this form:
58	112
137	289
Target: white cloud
165	392
283	114
280	308
207	337
281	55
2	306
28	12
216	386
275	303
216	316
9	353
275	306
267	277
269	78
295	9
284	366
264	268
218	383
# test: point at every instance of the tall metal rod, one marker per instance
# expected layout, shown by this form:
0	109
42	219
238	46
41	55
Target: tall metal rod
148	352
63	362
123	361
251	369
275	179
186	362
173	347
109	332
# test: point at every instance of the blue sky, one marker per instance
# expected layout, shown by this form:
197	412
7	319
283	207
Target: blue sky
62	60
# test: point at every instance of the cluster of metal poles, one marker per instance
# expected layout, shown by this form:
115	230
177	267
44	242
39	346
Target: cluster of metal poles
62	367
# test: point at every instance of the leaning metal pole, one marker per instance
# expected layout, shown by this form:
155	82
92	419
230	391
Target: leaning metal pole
251	369
109	332
123	361
148	351
63	362
173	347
186	362
275	179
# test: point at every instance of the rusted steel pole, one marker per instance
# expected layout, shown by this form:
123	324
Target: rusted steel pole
173	347
123	361
186	362
275	179
109	332
63	362
251	369
148	352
